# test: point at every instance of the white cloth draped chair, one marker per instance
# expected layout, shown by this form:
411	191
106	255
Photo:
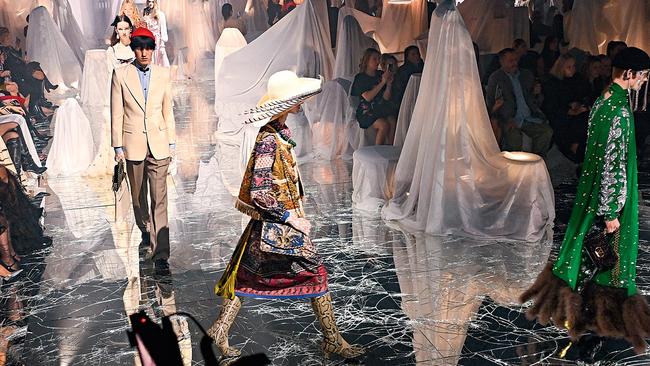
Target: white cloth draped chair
451	177
72	148
406	109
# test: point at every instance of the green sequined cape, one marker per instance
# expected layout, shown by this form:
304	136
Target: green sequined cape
607	188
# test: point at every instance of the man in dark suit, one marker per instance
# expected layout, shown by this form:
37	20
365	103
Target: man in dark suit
519	112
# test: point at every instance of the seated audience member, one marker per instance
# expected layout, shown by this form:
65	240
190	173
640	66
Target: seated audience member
591	71
565	105
23	218
538	30
413	64
605	69
274	11
533	62
551	51
374	89
11	114
388	63
230	21
521	48
519	114
614	47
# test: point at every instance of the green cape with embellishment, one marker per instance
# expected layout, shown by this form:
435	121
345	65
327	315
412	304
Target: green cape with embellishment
609	305
607	188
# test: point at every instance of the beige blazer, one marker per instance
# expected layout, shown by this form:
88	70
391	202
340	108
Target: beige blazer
136	124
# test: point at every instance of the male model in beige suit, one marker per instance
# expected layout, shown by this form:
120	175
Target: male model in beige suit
143	134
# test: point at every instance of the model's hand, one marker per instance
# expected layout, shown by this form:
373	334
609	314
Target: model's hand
612	226
119	156
300	224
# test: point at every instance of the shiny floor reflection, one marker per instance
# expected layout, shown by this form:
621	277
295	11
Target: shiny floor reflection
409	298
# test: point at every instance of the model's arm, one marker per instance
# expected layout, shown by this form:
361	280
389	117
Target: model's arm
117	111
264	198
613	184
168	113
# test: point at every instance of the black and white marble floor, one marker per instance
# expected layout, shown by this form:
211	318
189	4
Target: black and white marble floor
411	299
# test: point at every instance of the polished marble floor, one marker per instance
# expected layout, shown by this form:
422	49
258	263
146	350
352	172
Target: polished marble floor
411	299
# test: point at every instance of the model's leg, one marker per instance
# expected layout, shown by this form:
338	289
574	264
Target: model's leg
333	342
220	328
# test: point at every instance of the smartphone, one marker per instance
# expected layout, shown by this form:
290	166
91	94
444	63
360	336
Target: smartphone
498	93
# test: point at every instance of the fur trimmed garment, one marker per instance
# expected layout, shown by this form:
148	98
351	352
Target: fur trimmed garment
606	311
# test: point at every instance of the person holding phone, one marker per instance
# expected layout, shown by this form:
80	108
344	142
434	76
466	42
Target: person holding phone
374	88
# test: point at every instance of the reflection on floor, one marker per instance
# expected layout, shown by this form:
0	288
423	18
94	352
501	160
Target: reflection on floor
409	298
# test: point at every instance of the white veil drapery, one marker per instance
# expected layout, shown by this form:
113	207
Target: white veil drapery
70	29
400	24
350	45
47	46
451	177
493	25
306	49
588	28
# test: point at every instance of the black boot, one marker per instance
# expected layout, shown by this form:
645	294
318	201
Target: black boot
30	166
48	85
14	147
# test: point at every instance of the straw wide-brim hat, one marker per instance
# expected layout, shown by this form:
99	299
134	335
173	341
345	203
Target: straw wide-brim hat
284	91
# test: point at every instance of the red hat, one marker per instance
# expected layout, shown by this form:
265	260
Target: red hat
143	32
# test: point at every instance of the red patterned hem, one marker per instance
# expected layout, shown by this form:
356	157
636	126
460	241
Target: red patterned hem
302	285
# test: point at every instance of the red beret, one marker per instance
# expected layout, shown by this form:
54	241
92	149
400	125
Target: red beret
143	32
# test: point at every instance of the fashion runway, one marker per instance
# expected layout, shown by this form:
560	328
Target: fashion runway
410	298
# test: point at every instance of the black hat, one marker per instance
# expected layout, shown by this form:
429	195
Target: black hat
632	58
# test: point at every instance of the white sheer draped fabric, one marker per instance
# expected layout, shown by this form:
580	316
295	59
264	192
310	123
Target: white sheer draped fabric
588	27
65	19
231	40
595	22
406	109
493	25
24	131
306	49
350	45
199	35
94	18
47	46
333	124
96	79
373	176
451	177
72	145
400	24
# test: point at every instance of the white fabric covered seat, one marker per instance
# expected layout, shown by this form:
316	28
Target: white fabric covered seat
373	176
231	40
72	148
451	177
95	80
406	109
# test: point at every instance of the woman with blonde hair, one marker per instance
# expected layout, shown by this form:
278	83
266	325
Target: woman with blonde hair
566	105
129	9
157	24
374	89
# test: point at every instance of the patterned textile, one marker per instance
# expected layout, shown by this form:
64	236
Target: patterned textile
272	259
607	189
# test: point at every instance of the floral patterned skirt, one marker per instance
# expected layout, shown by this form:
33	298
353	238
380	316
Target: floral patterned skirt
256	273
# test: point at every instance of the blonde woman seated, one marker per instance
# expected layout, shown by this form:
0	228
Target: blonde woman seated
374	89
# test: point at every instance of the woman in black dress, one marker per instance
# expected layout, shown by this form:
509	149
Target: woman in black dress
374	89
566	104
